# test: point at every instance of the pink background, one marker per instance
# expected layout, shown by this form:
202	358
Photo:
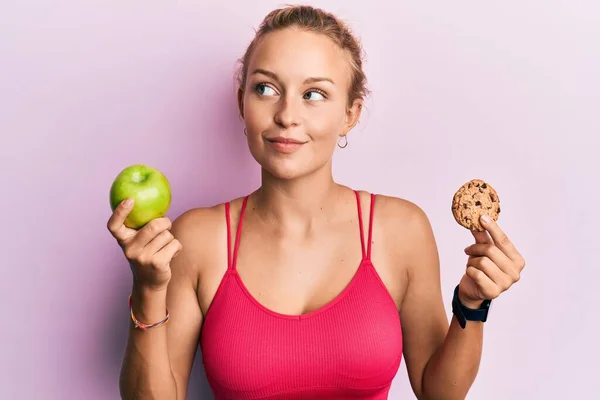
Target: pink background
508	92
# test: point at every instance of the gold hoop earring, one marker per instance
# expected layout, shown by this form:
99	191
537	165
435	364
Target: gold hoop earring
345	142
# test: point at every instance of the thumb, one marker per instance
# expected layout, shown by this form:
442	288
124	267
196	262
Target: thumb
116	221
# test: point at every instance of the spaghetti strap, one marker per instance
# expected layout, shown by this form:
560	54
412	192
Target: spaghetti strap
239	232
228	219
360	224
371	226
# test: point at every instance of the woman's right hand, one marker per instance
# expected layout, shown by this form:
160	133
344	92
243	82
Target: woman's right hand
149	250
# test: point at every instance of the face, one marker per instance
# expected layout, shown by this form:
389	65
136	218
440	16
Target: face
295	102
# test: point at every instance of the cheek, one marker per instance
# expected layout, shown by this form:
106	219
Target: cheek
256	115
326	123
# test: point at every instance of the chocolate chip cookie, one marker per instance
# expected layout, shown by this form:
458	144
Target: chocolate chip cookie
473	199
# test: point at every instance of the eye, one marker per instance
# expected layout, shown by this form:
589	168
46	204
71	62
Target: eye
264	90
319	95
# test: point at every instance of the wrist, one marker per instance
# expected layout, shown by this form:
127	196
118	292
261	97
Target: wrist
148	305
473	304
466	309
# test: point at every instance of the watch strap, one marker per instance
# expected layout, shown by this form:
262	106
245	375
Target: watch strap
464	314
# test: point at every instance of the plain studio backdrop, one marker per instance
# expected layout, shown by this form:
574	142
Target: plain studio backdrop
503	91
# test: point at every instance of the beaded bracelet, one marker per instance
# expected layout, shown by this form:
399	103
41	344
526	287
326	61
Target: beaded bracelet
141	325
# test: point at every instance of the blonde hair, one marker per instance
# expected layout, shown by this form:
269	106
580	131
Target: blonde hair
314	20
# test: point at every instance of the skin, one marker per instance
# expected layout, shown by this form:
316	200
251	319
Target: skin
300	245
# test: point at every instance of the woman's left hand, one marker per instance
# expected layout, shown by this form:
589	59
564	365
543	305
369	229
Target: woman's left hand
494	265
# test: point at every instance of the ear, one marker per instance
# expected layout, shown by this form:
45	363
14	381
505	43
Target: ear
352	116
241	102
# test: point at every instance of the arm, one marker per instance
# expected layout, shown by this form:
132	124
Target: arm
158	362
442	361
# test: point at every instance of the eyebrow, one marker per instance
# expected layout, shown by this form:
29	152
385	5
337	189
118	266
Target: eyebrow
274	76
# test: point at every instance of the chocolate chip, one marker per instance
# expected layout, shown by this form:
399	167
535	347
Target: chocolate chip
492	197
498	210
484	186
478	203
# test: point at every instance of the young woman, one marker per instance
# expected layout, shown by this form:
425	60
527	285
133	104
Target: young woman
305	288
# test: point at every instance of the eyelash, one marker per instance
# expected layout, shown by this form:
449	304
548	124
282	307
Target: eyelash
322	93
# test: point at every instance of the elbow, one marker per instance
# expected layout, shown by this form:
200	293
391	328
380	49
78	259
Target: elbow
451	393
440	390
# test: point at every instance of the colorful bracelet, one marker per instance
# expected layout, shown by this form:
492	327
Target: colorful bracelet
141	325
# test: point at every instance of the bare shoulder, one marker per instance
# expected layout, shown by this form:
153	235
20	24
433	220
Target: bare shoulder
401	216
200	231
407	231
198	221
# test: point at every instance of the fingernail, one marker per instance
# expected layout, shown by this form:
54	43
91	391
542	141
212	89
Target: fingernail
485	218
128	202
467	249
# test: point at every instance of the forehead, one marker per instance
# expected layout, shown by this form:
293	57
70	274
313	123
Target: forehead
294	55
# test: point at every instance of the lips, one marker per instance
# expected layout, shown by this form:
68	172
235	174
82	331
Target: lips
285	145
283	140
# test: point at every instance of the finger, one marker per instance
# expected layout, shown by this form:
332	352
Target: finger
116	221
482	237
492	271
159	241
486	287
496	256
151	230
166	254
500	238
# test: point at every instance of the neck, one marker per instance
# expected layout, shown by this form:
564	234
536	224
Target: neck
297	204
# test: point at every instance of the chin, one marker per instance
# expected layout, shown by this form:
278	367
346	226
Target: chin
284	169
285	172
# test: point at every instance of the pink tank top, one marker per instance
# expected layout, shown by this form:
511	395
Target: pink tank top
350	348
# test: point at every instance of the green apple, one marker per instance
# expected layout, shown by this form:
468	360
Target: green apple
149	189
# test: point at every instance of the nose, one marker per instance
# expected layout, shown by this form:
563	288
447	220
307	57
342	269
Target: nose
288	112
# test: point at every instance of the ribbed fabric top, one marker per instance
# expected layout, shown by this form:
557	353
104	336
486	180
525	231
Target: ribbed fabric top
350	348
